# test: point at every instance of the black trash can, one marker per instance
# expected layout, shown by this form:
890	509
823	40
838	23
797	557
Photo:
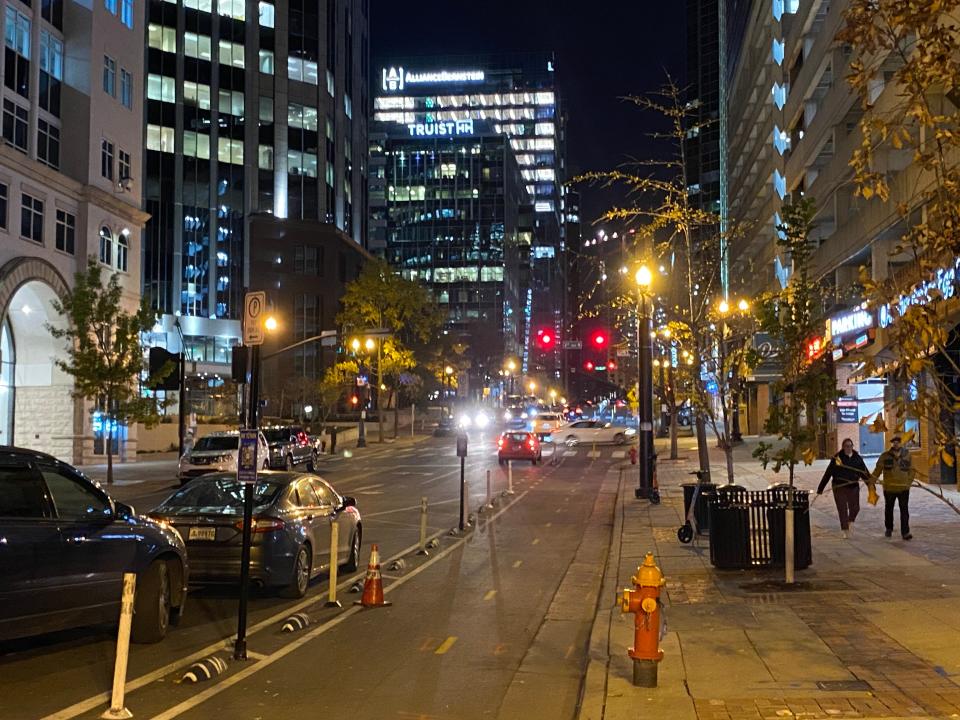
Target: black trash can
701	513
778	497
729	521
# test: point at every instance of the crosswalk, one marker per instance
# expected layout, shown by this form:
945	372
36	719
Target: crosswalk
589	453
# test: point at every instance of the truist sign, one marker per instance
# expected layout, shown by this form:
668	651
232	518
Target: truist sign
441	129
395	79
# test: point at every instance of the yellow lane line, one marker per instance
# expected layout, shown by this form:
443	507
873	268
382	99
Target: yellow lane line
445	645
490	594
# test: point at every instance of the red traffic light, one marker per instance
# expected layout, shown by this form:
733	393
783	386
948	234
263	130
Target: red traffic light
611	365
600	339
545	338
588	365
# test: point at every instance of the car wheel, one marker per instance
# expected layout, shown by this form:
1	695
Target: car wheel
288	463
619	438
151	604
353	562
301	574
570	441
312	462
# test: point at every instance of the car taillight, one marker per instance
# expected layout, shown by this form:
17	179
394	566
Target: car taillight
499	442
530	443
262	525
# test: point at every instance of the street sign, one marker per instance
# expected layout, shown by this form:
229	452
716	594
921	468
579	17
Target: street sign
624	353
461	445
254	305
572	345
247	461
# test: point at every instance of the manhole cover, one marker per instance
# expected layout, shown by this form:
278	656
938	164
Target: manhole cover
844	685
768	586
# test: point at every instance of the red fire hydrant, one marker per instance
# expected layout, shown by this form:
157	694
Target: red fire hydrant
633	456
644	602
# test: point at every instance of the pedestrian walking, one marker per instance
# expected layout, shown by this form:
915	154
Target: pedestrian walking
845	470
896	467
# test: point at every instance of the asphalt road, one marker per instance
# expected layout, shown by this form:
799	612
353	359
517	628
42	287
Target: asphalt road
465	620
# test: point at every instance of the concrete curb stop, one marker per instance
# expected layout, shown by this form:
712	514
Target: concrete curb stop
204	670
295	622
357	586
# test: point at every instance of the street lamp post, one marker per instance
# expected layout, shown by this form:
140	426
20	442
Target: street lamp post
361	426
447	380
645	383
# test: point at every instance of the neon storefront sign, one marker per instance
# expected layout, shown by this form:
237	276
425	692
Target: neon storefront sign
441	129
395	79
944	281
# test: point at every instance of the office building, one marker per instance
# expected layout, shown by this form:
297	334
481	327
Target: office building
70	183
424	101
252	107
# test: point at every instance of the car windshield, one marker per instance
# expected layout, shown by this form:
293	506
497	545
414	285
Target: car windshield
516	437
218	442
549	416
277	435
221	494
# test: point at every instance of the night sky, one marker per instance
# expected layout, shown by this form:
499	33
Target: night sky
607	49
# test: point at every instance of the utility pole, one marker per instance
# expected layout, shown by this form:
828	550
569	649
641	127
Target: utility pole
645	385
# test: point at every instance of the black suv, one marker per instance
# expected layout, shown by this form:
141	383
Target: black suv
65	545
290	446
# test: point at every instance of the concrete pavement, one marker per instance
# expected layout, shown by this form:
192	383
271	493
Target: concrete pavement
868	631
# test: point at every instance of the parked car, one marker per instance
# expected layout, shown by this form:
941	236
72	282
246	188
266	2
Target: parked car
545	423
518	445
65	545
217	452
290	446
291	528
593	431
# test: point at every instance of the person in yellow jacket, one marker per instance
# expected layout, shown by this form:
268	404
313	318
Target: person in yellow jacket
896	467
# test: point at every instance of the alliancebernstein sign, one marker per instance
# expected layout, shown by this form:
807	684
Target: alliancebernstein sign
396	78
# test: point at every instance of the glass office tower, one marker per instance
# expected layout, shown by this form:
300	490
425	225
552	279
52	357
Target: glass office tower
252	107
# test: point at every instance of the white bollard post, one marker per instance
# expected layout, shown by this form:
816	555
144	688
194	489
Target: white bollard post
509	477
788	546
422	550
489	504
117	710
334	564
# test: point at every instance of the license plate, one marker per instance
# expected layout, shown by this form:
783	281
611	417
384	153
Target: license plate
202	533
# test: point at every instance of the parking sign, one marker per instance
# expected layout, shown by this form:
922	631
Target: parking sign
247	462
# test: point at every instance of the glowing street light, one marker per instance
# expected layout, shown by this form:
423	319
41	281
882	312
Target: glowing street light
723	307
644	277
270	323
743	306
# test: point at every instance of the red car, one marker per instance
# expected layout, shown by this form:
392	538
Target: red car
518	445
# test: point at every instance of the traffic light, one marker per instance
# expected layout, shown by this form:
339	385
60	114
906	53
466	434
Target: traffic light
588	365
545	339
354	400
611	365
600	339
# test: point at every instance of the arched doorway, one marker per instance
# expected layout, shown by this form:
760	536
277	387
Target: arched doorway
37	409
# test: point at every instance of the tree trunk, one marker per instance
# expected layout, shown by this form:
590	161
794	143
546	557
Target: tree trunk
703	452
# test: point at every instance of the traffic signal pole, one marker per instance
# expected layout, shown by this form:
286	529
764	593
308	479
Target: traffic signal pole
645	401
253	419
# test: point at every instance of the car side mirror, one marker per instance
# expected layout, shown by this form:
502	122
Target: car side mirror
348	501
124	511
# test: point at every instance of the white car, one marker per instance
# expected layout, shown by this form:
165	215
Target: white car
545	423
218	452
593	431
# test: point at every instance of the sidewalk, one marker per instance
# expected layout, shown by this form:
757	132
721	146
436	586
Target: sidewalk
870	630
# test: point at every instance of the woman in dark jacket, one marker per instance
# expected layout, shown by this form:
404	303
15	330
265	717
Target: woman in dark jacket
845	469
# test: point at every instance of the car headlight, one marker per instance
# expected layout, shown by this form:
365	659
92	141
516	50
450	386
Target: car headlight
533	413
465	421
629	431
523	415
481	420
507	415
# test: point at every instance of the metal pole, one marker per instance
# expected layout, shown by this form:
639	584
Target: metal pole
413	409
240	648
645	388
117	710
735	434
463	499
489	504
379	384
422	549
182	420
334	564
510	477
361	429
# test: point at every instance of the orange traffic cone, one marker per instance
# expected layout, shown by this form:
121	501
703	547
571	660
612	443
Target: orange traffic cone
373	584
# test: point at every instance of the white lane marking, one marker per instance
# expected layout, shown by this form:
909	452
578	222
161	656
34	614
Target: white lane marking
617	454
232	680
569	453
368	487
411	507
593	454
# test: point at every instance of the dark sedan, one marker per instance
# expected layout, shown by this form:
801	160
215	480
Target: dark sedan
291	528
64	546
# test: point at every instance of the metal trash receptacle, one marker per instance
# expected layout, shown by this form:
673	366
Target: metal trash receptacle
729	522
